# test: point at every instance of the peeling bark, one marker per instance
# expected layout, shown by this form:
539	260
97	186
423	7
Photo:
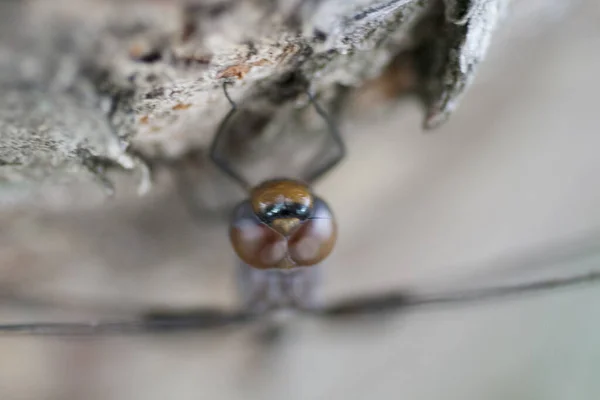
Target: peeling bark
87	83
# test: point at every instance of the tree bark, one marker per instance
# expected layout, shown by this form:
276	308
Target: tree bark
88	84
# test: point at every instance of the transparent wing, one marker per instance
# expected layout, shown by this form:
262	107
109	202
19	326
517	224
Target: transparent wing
547	268
403	300
154	322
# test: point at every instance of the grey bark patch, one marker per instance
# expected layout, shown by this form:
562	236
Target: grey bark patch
44	133
174	58
72	69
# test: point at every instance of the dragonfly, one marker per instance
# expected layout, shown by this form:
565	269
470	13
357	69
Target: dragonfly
282	233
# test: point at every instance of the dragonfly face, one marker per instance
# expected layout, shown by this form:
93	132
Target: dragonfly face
282	226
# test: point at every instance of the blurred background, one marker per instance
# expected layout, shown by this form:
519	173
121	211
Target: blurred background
505	191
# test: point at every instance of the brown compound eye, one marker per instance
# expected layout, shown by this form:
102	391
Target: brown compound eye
313	241
255	242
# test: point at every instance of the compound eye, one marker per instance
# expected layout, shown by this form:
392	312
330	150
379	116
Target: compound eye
313	241
254	242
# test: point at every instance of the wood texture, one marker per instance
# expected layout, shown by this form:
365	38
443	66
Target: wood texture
112	79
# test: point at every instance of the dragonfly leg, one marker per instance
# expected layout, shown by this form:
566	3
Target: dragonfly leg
336	137
218	141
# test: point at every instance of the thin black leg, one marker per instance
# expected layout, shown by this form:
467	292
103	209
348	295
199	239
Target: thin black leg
219	161
334	133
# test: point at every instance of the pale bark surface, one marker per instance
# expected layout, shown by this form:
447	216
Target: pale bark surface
87	83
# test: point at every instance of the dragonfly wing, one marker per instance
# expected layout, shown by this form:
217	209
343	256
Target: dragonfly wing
154	322
556	267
